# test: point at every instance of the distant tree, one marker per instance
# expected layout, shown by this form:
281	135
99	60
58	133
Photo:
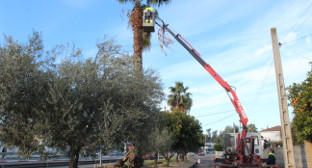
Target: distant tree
185	131
300	97
179	99
252	128
214	137
209	134
160	143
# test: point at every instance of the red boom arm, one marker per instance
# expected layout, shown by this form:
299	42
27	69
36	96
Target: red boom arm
230	92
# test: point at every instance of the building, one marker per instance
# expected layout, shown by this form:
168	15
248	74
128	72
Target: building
272	134
208	148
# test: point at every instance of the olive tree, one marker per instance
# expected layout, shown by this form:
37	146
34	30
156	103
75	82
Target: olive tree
75	103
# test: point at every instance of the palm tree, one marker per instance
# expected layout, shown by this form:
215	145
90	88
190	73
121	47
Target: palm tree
179	99
136	21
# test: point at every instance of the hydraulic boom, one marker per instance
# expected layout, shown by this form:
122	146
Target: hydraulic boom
244	155
230	92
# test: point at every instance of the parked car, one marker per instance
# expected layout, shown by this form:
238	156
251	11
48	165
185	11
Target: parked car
148	156
201	154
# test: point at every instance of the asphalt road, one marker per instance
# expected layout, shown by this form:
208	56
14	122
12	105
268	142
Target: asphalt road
205	161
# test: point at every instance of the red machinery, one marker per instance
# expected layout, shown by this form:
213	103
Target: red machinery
244	155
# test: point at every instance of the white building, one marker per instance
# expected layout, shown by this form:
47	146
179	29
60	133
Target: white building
208	148
272	134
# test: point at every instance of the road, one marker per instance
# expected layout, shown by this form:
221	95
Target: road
205	161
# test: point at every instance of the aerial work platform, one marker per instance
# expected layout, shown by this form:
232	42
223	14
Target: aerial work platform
149	16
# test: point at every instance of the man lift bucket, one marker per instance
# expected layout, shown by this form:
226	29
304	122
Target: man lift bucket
149	15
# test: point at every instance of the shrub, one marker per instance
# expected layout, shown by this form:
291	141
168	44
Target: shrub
218	147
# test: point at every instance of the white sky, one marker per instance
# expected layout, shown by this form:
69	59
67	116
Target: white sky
232	36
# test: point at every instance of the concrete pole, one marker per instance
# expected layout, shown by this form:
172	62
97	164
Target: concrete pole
289	159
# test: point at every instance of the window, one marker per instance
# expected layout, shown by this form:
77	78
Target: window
232	140
256	140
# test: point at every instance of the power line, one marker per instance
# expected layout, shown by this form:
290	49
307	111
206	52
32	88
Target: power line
297	52
299	38
214	114
293	28
264	82
220	119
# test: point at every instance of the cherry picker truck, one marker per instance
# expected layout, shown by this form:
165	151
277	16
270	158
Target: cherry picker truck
243	156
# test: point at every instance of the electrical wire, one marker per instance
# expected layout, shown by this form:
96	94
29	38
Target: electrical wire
297	52
293	28
214	114
220	119
264	82
299	38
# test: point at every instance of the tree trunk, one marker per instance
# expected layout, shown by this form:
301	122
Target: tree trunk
74	156
177	158
156	160
167	161
182	156
136	22
167	157
308	152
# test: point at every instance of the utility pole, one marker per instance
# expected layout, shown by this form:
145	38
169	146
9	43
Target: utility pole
285	124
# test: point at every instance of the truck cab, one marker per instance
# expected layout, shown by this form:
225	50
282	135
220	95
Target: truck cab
230	143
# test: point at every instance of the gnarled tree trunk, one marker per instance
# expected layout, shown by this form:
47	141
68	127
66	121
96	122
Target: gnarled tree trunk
74	156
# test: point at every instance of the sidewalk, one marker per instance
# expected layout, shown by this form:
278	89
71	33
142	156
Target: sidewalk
181	164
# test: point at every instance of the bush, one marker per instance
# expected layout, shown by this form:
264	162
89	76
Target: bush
218	147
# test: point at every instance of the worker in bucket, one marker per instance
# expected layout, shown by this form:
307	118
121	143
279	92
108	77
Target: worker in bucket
149	14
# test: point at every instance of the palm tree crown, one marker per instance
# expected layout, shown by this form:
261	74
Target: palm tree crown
179	99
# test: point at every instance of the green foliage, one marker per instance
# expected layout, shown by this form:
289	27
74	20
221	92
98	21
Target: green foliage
185	131
20	89
218	147
252	128
179	99
160	141
78	103
300	97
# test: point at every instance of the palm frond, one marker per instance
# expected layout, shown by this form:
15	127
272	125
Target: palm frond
158	2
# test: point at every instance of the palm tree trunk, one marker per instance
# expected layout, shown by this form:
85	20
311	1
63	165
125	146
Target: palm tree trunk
136	22
308	152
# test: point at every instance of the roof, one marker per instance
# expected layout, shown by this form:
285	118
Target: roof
276	128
